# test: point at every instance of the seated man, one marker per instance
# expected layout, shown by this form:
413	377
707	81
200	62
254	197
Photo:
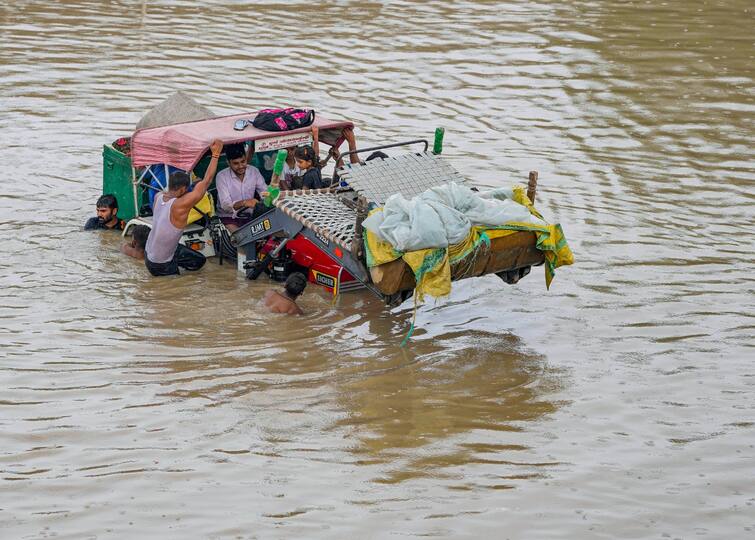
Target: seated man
286	302
237	186
135	248
163	254
107	215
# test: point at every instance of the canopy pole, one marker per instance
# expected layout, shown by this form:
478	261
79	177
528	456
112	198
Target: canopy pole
532	187
357	242
134	187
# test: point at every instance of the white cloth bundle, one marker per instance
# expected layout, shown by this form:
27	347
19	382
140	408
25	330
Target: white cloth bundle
443	215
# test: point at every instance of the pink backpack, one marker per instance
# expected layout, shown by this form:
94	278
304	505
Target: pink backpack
283	119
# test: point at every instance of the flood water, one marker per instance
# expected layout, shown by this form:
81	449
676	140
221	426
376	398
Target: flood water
619	404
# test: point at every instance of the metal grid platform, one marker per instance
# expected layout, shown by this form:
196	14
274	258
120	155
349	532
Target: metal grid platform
408	174
323	212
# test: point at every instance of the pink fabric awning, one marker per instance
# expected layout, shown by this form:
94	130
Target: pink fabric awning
183	145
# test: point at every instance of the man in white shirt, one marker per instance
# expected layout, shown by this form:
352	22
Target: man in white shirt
237	186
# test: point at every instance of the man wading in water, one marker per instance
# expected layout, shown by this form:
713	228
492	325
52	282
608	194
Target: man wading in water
285	302
163	254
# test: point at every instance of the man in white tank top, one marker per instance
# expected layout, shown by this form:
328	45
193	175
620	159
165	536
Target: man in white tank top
163	254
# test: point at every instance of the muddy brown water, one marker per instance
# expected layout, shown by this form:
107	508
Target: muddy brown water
617	405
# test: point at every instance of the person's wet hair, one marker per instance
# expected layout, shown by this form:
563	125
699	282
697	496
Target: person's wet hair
178	180
107	201
235	151
141	233
307	153
295	284
376	155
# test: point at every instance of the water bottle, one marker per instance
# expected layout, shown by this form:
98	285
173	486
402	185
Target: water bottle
274	191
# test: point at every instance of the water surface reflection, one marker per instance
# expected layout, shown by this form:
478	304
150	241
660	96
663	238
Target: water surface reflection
615	405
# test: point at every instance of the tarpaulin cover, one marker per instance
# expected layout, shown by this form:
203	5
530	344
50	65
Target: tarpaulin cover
178	107
183	145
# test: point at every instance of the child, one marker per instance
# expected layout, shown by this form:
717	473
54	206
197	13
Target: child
309	163
291	172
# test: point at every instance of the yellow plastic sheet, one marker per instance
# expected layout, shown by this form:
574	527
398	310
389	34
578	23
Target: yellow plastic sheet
432	267
206	205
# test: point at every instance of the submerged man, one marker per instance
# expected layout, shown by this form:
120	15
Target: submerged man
107	215
163	254
237	186
286	302
135	248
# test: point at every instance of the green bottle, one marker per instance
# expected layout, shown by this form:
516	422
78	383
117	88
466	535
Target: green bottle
272	195
280	159
438	144
274	191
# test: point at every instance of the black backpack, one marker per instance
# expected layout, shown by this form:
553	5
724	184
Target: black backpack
283	119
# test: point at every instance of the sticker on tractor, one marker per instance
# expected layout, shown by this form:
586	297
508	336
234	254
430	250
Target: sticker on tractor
322	239
261	226
324	279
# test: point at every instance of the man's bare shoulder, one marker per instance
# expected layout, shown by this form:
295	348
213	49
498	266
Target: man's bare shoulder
294	310
131	251
278	303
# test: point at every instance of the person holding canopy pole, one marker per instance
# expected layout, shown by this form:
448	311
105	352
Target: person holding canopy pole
163	255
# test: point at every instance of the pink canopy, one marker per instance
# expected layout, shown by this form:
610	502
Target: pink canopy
183	145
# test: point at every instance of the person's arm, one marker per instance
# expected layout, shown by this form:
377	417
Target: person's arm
244	203
348	134
284	184
332	153
316	141
189	200
336	156
259	187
